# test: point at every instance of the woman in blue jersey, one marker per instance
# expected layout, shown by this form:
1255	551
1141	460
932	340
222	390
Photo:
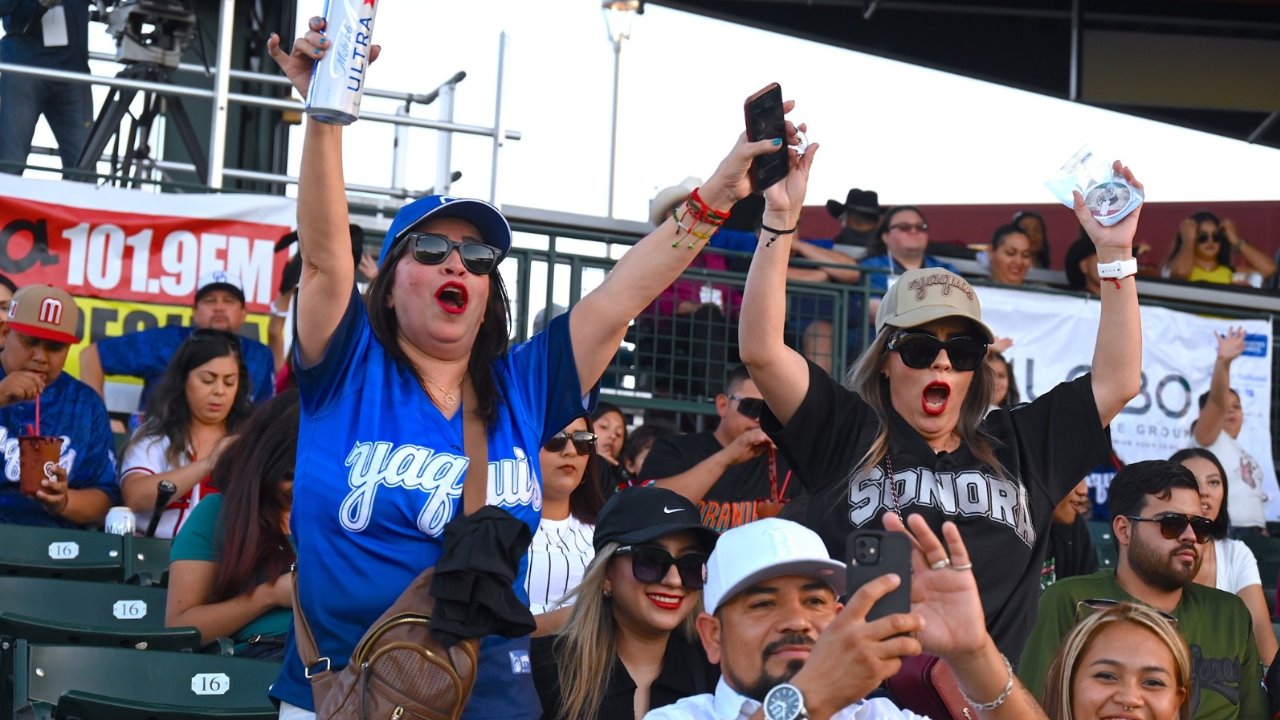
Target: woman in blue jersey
380	449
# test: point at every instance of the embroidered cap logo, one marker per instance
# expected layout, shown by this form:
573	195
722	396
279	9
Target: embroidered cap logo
946	280
50	311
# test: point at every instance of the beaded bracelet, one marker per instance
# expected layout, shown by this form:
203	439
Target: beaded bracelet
1004	695
702	215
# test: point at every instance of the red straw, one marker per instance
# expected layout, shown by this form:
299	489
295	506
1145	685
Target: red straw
773	471
37	415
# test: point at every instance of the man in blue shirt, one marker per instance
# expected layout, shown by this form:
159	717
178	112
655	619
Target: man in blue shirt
37	398
220	304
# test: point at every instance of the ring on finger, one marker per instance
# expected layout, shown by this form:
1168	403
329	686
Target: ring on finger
944	562
962	568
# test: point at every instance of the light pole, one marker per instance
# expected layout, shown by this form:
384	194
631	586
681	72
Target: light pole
618	15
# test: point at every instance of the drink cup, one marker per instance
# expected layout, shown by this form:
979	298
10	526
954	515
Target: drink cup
767	509
36	457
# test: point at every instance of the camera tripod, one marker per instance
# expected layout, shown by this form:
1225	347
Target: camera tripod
126	169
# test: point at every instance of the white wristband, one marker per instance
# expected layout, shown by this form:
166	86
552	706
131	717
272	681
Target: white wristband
1118	269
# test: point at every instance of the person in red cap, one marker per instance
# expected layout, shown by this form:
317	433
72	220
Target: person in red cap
43	324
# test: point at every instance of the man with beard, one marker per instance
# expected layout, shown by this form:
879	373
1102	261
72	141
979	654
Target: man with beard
788	650
1155	508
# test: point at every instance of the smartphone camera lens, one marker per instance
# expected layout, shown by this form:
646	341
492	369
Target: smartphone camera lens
867	551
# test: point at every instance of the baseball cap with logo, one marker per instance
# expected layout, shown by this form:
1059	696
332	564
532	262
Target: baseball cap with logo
45	312
219	280
642	514
928	294
494	229
764	549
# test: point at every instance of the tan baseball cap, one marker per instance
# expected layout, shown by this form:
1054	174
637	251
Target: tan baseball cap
45	312
928	294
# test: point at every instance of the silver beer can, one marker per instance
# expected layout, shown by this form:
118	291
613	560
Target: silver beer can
338	79
120	521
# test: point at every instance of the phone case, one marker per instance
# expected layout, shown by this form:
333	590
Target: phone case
892	554
765	120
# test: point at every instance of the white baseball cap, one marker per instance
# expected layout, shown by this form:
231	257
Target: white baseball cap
765	549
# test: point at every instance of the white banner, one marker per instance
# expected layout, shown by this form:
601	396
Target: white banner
1053	340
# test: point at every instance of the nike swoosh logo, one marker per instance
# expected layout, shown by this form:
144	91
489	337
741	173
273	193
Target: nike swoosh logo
668	510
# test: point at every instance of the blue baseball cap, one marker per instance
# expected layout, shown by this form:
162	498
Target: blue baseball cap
494	228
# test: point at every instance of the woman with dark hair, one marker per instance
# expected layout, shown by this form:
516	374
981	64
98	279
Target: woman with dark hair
1032	224
1226	564
386	381
561	546
910	427
610	427
901	244
1202	252
201	399
1004	387
1011	255
228	569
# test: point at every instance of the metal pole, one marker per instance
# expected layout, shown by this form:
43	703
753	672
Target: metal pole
400	148
613	121
444	140
221	93
1073	89
499	131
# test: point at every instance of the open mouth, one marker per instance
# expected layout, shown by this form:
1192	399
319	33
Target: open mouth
452	297
934	398
665	602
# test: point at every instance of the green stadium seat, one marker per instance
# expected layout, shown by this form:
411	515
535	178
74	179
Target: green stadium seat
76	682
1267	552
69	611
1103	543
59	553
146	560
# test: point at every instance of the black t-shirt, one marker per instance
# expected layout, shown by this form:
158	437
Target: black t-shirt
731	501
1071	553
1046	446
685	672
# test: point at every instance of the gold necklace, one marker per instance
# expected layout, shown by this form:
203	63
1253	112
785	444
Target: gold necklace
449	398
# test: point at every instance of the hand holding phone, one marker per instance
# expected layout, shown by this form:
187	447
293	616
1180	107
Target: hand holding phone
765	121
872	553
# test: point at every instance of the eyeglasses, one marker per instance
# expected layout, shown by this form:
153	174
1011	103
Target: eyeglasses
749	407
649	564
910	227
1172	525
1203	238
433	248
206	334
1087	607
584	442
919	350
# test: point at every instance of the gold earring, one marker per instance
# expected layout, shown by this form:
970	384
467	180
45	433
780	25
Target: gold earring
607	593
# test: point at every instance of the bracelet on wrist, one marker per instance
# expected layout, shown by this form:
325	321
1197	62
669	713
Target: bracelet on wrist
1004	694
776	233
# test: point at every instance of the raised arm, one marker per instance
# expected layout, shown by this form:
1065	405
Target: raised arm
1183	261
91	368
781	373
1210	423
1258	260
324	237
1117	354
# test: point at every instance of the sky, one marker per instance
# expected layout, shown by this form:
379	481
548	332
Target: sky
913	134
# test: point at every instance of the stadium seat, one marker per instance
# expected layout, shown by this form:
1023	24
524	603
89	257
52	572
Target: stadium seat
67	682
60	553
69	611
1267	552
146	560
1103	543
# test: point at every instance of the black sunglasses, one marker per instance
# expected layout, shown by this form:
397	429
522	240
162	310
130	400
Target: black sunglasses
1203	238
649	564
749	407
918	350
1088	606
433	248
1172	525
204	334
584	442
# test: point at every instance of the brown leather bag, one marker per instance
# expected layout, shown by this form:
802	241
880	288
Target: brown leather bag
925	685
398	668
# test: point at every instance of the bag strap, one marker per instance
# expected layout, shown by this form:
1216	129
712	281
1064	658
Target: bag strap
475	490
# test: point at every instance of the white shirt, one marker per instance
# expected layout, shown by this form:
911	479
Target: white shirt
146	456
728	704
1237	568
1247	499
558	556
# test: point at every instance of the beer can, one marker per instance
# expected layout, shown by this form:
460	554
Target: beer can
338	79
120	521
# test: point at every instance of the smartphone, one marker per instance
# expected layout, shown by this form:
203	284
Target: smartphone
764	121
873	553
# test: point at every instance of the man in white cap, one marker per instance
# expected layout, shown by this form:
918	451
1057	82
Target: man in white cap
219	304
788	650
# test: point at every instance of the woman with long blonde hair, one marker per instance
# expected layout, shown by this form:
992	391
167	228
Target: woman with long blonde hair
1124	660
629	644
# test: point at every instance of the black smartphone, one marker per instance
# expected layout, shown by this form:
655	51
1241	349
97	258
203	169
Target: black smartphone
764	121
873	553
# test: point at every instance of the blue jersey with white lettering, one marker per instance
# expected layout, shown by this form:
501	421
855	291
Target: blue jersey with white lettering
380	472
145	354
73	411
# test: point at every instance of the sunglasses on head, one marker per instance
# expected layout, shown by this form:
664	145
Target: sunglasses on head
918	350
1172	525
910	227
650	563
1089	606
433	248
749	407
204	334
584	442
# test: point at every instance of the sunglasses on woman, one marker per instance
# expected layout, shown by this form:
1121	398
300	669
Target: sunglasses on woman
584	442
1172	525
204	334
1089	606
918	350
433	248
650	563
906	227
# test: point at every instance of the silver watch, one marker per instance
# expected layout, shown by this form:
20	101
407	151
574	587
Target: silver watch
785	702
